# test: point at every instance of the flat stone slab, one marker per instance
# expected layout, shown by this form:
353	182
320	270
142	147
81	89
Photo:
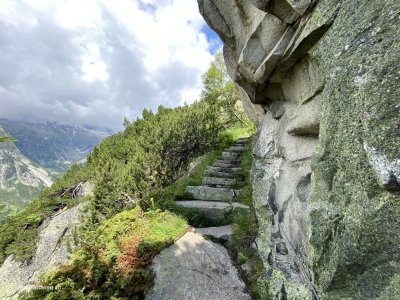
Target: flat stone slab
233	160
215	205
220	232
210	173
243	140
195	268
218	181
223	169
212	193
238	149
230	154
223	164
213	210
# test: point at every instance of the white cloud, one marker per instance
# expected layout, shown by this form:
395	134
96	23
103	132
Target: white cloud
93	62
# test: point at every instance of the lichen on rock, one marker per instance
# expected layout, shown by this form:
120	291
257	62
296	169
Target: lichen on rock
326	155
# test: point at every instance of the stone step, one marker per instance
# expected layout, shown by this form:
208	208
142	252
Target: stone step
211	193
219	232
244	140
218	181
210	173
230	154
240	144
214	210
222	164
223	169
233	160
238	149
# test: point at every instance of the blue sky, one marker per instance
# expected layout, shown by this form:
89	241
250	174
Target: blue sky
213	39
94	62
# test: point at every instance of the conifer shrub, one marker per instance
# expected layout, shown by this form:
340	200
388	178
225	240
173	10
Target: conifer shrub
126	168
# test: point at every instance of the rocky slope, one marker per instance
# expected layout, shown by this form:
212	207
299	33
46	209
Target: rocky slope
52	145
51	250
320	79
20	179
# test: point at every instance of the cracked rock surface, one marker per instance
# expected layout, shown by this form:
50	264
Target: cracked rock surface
51	251
320	80
195	268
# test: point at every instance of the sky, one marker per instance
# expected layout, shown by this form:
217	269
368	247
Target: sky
93	62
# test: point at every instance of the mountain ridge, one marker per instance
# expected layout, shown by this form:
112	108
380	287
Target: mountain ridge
21	180
51	144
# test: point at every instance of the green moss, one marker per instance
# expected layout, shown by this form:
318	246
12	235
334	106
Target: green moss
354	217
244	175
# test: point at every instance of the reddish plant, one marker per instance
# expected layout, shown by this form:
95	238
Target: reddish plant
126	262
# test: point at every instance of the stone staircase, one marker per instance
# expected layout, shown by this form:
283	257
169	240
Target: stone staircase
217	198
196	267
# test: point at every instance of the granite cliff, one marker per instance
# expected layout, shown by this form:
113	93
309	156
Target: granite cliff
320	80
20	178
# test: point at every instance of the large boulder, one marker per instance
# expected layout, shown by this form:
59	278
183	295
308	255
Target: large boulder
195	268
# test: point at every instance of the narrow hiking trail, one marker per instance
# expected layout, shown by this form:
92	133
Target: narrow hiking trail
217	198
197	268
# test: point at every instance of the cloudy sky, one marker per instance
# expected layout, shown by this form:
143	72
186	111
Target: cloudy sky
93	62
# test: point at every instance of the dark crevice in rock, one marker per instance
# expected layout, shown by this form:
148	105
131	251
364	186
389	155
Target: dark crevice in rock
303	187
281	248
271	198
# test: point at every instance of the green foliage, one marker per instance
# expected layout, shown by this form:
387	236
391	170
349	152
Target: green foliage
150	154
244	175
112	261
221	91
18	234
6	139
140	165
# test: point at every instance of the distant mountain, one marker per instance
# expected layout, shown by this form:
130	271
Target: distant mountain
52	145
20	179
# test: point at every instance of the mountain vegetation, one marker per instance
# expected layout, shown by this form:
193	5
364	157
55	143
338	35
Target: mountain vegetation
135	174
6	138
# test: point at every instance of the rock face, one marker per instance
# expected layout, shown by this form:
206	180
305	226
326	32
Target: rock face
199	269
326	155
16	276
20	179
